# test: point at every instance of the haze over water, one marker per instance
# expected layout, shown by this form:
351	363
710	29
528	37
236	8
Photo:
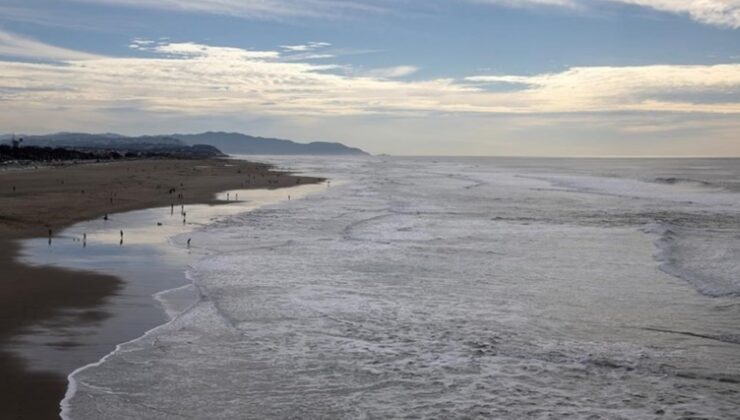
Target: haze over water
454	287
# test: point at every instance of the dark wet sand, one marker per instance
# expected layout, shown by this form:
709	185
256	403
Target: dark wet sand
56	197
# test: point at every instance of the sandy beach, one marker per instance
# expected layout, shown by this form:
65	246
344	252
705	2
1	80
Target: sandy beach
34	202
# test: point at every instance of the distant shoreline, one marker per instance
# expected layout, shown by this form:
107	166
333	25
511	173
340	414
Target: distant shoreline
34	202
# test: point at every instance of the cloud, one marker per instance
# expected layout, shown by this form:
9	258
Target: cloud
530	3
311	46
392	72
722	13
262	9
17	46
194	80
635	88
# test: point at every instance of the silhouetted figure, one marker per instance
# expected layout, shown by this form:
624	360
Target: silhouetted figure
183	220
121	234
105	217
188	243
121	242
237	197
227	196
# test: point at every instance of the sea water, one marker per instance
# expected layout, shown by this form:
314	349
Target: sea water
453	288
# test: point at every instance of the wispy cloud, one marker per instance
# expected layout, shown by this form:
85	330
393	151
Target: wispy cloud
263	9
310	46
722	13
391	72
17	46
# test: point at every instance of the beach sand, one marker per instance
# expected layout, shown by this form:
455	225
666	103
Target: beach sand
34	201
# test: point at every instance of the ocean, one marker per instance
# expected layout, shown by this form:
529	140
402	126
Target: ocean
451	288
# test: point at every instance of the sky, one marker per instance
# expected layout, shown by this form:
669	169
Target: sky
410	77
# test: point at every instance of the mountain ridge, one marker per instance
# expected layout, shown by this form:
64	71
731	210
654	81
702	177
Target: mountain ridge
233	142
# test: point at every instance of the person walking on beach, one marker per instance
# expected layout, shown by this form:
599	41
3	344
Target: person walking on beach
188	243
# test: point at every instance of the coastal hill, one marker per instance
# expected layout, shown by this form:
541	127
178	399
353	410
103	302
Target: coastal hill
238	143
78	146
234	143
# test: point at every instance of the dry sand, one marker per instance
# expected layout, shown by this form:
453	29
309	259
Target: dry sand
34	201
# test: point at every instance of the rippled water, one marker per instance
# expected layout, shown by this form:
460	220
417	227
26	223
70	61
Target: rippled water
454	288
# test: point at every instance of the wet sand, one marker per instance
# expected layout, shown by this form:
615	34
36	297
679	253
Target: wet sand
34	201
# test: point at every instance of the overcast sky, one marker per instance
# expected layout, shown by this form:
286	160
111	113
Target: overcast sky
431	77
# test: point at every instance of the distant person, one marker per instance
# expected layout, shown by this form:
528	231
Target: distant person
188	242
105	217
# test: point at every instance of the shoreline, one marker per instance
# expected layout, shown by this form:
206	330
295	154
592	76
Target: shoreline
32	294
71	389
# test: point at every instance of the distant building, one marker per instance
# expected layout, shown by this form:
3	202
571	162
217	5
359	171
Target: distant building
16	143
